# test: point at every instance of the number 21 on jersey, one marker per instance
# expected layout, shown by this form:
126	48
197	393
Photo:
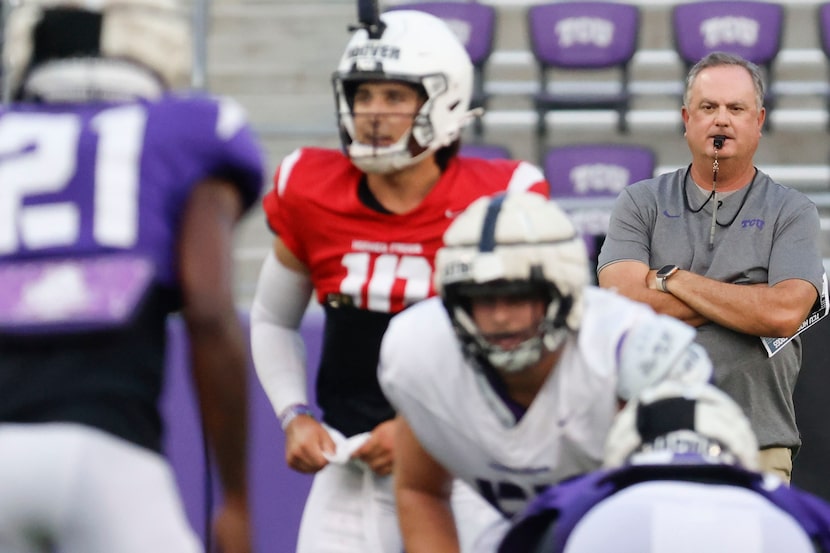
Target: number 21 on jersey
39	155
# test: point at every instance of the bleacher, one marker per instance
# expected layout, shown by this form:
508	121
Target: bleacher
276	58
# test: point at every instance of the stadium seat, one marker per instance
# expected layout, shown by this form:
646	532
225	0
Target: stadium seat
751	29
583	40
485	151
475	26
586	178
277	494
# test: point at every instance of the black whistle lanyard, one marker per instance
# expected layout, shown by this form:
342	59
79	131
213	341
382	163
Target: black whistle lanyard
712	197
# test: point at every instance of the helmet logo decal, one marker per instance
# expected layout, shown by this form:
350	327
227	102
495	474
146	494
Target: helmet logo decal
375	50
457	271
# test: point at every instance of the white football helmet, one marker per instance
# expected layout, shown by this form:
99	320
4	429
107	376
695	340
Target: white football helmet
677	423
81	50
417	48
514	243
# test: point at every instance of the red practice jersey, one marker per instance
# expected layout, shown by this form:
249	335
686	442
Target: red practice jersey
366	264
377	261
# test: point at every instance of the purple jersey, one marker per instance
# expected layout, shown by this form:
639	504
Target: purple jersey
550	519
91	197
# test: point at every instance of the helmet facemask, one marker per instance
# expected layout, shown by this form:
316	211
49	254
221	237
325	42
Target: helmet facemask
410	148
518	244
549	333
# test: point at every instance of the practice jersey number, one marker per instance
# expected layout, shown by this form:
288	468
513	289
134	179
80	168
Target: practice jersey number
379	280
38	155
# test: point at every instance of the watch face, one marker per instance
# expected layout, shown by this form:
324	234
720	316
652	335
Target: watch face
665	270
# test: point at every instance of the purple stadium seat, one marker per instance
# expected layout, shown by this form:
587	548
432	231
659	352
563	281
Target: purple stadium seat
475	26
485	151
584	37
586	178
748	28
277	494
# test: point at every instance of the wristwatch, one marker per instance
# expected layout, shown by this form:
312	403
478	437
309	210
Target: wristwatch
663	275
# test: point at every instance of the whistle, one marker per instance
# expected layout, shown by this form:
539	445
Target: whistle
719	141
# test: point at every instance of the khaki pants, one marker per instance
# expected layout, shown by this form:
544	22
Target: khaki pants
778	460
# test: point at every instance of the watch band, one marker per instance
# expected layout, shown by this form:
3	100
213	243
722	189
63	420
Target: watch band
663	275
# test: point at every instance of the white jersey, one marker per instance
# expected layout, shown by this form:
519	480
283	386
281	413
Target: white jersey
458	417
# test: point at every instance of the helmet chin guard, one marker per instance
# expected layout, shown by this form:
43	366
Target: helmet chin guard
439	65
373	159
547	337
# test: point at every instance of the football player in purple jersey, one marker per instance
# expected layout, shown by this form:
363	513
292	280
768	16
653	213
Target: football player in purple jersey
681	474
118	200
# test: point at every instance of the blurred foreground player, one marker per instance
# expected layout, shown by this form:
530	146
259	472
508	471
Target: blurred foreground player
117	204
682	476
510	380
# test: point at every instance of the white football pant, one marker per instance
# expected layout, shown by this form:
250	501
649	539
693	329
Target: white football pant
352	510
82	490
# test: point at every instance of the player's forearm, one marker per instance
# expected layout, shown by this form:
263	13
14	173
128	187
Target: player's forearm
219	370
427	523
217	341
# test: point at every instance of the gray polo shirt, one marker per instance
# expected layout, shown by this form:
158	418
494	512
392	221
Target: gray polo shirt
766	233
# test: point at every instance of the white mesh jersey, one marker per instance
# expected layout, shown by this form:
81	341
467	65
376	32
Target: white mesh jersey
460	420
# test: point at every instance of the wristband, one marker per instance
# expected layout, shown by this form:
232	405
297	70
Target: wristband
293	411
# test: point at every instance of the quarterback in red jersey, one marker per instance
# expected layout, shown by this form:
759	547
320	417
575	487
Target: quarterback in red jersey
361	229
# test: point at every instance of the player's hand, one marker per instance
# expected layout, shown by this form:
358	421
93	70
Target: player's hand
232	528
378	452
305	442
